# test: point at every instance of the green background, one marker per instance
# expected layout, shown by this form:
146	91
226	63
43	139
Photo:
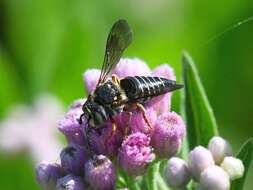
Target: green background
45	45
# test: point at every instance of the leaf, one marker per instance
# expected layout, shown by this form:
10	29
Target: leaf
185	145
245	154
35	32
122	179
11	87
201	123
154	180
126	181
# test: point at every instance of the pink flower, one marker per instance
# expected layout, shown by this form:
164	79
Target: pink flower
135	154
162	103
104	141
70	182
70	126
131	67
169	132
73	158
100	173
33	128
90	78
47	174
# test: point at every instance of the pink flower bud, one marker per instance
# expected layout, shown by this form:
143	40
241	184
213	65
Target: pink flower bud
100	173
90	78
131	67
73	158
47	175
70	126
177	173
233	166
214	178
168	134
162	103
138	124
135	154
104	141
70	182
199	159
219	148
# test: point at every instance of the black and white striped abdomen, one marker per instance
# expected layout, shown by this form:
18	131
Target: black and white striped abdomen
143	87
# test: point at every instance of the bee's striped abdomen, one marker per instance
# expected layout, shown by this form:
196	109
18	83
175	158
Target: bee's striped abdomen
142	87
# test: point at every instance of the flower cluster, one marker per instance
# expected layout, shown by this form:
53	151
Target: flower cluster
133	146
212	168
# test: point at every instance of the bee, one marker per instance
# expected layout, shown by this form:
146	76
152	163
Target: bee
113	95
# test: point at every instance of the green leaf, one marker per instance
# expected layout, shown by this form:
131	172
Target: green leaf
126	181
35	34
11	87
201	123
245	154
122	178
154	180
185	145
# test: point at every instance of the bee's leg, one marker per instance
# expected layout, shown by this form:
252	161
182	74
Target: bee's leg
116	79
142	109
114	126
130	114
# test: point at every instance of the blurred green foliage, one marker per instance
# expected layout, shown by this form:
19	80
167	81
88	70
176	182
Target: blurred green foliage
45	45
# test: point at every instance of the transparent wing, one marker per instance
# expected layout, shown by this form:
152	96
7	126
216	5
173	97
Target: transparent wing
118	40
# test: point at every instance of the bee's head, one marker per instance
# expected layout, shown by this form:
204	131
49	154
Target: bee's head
95	113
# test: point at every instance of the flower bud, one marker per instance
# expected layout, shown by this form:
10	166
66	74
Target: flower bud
103	142
214	178
219	148
233	166
73	158
177	173
135	154
90	78
100	173
169	131
131	67
70	126
47	175
199	159
78	103
138	124
70	182
162	103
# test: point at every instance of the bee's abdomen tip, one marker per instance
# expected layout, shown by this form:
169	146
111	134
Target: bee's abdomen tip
179	86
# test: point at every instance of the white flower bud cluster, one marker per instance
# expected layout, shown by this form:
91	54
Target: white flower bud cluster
212	168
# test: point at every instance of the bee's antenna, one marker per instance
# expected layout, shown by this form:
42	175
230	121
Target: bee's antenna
80	120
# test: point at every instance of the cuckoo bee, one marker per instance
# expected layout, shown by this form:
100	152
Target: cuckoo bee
113	95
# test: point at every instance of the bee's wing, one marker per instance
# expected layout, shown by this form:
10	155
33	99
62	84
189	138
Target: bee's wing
118	40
